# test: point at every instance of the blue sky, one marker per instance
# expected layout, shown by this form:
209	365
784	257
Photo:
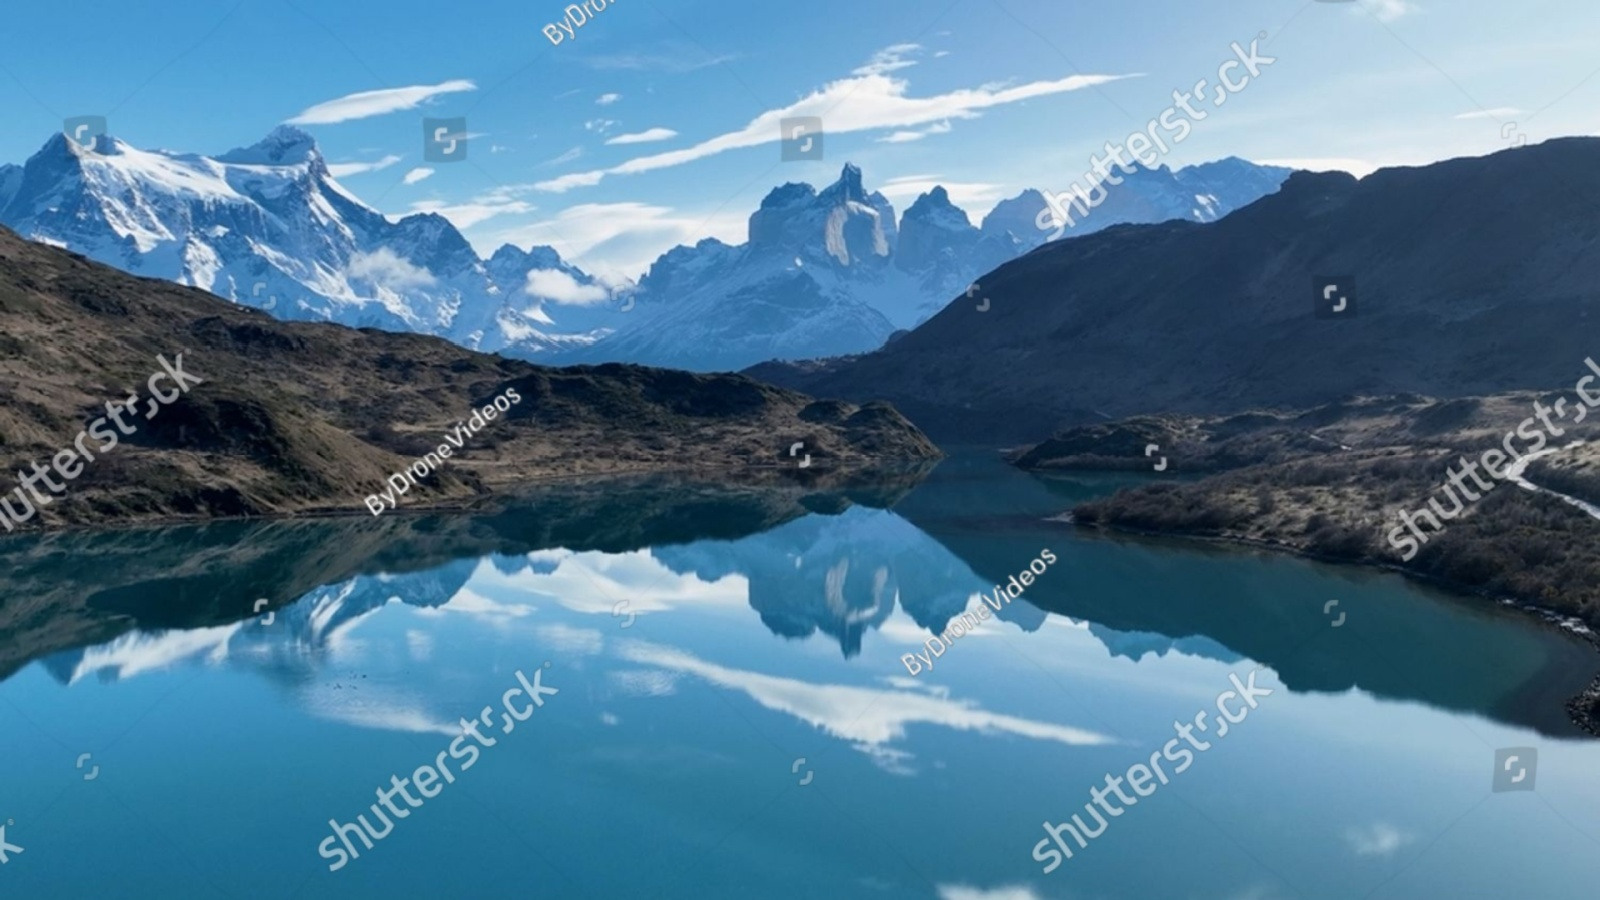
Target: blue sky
987	97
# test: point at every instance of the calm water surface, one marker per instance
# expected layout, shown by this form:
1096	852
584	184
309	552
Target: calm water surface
734	719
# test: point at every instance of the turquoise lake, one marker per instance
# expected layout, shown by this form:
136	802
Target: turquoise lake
733	717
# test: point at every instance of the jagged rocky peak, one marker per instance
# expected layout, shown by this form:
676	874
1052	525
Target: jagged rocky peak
285	145
842	222
1018	217
934	231
935	208
539	256
681	267
848	188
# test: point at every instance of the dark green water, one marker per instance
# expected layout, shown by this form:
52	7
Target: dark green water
734	718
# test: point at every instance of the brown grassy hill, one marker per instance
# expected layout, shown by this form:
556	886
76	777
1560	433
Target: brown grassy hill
296	417
1332	482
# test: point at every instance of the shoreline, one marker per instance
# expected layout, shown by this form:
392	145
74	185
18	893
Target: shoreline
449	506
1583	708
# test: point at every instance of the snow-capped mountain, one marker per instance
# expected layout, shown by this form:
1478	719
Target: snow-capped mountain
829	273
814	279
1199	193
823	273
268	226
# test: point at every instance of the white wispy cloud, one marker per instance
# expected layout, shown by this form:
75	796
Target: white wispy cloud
969	195
607	99
554	284
889	59
345	170
501	201
1360	168
420	173
903	137
618	241
868	719
864	102
679	59
966	892
385	268
566	157
1499	112
644	137
1389	10
365	104
1377	839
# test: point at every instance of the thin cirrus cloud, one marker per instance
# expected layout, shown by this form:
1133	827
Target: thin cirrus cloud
617	241
420	173
1360	168
366	104
965	194
644	137
345	170
870	100
502	201
1499	112
903	137
1389	10
1377	839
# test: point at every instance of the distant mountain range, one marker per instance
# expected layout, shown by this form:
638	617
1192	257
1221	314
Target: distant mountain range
824	273
1466	277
